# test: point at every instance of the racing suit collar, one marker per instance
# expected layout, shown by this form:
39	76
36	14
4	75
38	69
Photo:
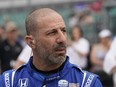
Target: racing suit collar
41	77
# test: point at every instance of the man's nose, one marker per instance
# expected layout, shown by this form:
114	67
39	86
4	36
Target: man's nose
61	38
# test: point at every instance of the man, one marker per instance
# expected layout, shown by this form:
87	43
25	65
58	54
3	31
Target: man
1	39
109	64
49	66
10	47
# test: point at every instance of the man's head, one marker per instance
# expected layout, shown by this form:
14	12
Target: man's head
11	31
76	33
105	36
46	35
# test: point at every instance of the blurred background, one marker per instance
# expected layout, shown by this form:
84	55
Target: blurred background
93	16
16	11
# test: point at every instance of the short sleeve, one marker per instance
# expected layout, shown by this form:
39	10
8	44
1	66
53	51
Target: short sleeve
110	59
82	46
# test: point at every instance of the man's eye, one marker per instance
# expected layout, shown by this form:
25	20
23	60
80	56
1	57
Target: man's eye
64	30
52	33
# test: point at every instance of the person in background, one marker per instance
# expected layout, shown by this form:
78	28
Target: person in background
1	39
73	20
79	48
97	56
49	65
2	32
10	48
24	56
109	64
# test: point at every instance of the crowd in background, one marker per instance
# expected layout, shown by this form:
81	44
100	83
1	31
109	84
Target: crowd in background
83	49
86	50
11	45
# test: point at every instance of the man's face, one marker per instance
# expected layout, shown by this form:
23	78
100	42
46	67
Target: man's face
76	34
12	35
50	40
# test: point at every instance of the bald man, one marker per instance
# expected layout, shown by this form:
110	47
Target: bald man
49	66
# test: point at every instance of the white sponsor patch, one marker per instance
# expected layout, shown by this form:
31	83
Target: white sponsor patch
62	83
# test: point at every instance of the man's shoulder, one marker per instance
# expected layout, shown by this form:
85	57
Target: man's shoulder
88	79
78	69
6	77
6	73
91	80
9	74
5	42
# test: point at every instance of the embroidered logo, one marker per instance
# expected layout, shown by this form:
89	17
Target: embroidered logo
23	82
62	83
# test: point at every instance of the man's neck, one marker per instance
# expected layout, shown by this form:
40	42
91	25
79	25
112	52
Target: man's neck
44	66
48	72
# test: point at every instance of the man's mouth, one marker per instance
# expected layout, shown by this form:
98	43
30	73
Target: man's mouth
61	50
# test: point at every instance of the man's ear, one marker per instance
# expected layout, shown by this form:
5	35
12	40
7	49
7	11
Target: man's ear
30	41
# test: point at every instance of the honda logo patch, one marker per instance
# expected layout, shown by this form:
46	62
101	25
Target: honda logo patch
23	82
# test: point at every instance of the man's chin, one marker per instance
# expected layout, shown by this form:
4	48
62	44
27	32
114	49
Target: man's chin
58	59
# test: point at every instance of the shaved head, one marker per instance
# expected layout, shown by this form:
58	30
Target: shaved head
33	20
46	35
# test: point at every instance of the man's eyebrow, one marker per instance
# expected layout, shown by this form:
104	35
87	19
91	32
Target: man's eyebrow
54	29
63	28
50	30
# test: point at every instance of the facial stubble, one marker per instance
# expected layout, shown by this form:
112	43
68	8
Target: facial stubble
49	56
